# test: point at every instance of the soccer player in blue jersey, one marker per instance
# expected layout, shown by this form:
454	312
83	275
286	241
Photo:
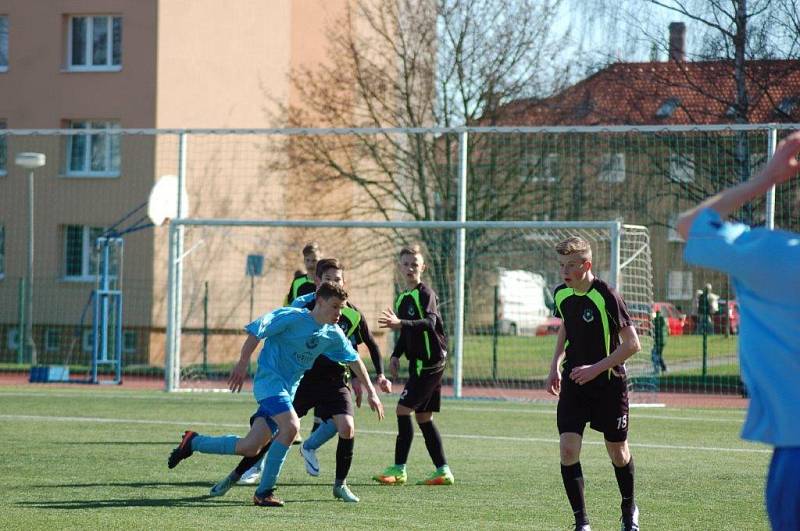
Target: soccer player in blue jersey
325	388
763	266
293	339
595	339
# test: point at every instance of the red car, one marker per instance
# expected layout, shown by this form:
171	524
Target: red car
549	327
719	320
675	319
642	317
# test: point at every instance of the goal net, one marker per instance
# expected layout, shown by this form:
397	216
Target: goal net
500	327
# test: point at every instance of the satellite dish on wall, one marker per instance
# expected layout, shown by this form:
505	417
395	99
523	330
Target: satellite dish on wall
163	202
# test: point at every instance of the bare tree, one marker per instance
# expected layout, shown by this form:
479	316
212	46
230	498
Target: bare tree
410	63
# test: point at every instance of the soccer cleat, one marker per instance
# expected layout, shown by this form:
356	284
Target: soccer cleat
344	493
393	475
267	500
439	477
183	451
252	476
310	460
298	439
630	521
221	488
582	527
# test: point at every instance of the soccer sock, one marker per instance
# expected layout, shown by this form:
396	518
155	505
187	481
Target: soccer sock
625	481
247	462
321	435
572	475
344	457
405	434
317	424
433	441
272	468
226	444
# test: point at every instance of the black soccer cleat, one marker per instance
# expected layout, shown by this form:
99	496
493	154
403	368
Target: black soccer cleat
630	519
183	450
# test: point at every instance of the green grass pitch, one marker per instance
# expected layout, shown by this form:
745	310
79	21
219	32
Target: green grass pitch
92	458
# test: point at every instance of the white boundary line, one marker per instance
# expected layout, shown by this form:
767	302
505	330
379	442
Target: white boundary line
377	432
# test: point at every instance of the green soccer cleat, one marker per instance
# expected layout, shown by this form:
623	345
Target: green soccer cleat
222	488
394	475
343	493
440	476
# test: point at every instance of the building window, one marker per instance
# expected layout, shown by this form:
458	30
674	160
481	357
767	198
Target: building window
129	341
52	340
679	286
87	341
3	149
612	168
537	168
94	43
12	339
3	43
668	107
80	260
681	167
93	154
672	233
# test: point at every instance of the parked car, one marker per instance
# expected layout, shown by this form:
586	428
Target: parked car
642	317
549	327
727	316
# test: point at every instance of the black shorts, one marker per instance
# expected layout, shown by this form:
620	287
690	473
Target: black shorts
329	397
423	393
604	407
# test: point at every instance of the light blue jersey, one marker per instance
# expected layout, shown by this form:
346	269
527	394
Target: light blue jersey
293	340
763	265
303	300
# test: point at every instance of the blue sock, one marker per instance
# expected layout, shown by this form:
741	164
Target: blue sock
225	444
272	469
321	435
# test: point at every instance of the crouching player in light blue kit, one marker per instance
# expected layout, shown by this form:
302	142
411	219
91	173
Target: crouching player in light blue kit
763	265
294	338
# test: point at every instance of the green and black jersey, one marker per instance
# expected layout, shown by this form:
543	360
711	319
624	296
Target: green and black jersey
422	337
300	286
354	325
592	321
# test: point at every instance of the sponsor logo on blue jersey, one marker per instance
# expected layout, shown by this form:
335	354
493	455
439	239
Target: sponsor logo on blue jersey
312	342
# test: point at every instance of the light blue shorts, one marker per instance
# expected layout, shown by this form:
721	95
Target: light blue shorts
270	407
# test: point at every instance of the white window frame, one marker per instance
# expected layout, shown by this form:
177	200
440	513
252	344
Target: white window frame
126	335
88	51
12	339
536	170
681	167
672	233
612	168
112	141
4	150
680	285
4	40
52	339
87	251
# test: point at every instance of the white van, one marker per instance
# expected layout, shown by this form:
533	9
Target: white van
524	302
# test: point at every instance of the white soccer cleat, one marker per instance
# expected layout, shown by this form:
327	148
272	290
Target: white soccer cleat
342	492
251	477
310	460
221	488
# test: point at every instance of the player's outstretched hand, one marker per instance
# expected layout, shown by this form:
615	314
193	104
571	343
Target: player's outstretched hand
238	376
388	319
358	390
583	374
384	383
375	404
394	366
784	164
554	383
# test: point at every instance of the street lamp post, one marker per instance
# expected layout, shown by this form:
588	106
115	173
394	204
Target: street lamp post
30	161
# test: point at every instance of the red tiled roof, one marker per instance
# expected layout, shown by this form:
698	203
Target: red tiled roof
632	93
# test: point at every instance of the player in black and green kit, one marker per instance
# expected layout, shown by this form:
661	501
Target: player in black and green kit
424	343
595	339
304	284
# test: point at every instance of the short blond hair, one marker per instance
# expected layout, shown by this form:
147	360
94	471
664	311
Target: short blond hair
575	246
412	250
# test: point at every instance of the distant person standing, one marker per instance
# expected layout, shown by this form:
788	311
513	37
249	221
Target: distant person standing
763	266
660	333
304	284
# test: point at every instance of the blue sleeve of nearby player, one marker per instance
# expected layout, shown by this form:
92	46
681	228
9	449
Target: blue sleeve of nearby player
273	323
303	300
720	245
341	350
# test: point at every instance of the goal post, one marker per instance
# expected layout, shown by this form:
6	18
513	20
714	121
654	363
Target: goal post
494	281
